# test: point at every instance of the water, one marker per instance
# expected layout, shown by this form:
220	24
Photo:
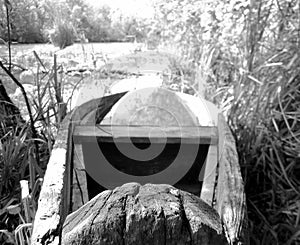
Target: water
110	49
86	56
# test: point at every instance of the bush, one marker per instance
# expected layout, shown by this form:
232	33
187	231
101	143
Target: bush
63	35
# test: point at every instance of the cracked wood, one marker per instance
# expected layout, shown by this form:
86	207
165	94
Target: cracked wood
144	214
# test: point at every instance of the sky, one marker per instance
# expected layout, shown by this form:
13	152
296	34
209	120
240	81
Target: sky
141	8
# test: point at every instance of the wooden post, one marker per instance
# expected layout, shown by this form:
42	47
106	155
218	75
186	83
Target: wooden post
148	214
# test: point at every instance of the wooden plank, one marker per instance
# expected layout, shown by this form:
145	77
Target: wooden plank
209	175
79	188
51	206
107	133
68	174
54	199
230	196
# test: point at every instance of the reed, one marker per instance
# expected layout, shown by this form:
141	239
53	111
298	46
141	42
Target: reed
261	106
20	173
262	111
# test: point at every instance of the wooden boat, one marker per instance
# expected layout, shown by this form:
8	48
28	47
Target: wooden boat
103	144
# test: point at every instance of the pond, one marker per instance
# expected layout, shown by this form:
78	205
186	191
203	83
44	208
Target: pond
85	56
88	57
110	49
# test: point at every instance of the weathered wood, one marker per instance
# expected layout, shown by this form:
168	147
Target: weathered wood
54	199
213	160
149	214
230	196
209	175
140	134
79	187
224	192
67	191
51	206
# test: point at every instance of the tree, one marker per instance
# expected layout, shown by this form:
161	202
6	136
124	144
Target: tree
26	22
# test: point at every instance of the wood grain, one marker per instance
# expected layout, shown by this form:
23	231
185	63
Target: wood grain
79	187
51	205
55	197
148	214
230	196
140	134
209	175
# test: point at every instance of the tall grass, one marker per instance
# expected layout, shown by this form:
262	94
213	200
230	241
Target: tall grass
14	167
252	72
262	109
261	106
20	174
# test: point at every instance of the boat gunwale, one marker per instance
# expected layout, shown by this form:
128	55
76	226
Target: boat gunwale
49	226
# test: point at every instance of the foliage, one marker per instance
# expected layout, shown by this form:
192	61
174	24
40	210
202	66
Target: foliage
266	124
18	159
12	160
244	55
249	52
14	166
26	25
62	36
32	21
97	26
